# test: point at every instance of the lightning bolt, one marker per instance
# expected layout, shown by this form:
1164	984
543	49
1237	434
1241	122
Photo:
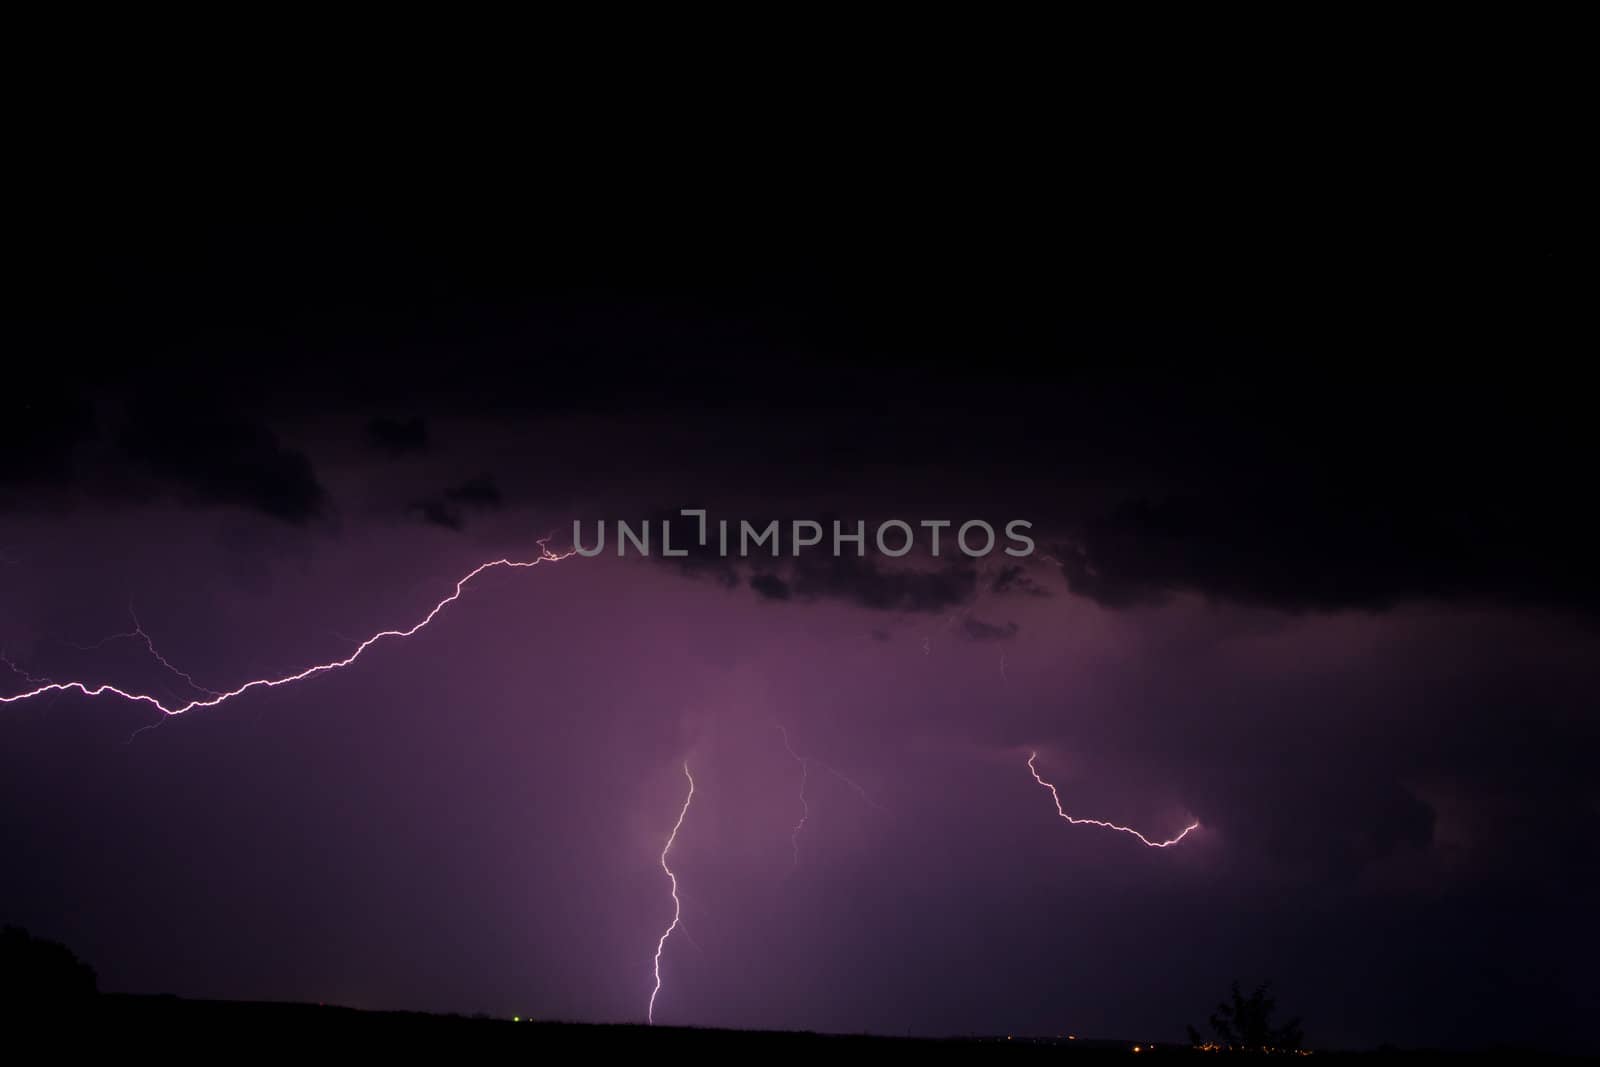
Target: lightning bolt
805	808
866	798
677	906
138	632
805	776
26	677
545	556
1099	823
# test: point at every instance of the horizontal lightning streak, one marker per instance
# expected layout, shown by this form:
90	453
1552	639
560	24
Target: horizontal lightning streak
545	556
1097	822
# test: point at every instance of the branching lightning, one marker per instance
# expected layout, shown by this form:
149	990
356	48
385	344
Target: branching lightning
215	698
805	777
207	698
24	675
677	906
805	808
1097	822
138	632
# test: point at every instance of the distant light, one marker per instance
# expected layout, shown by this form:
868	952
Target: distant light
1136	1048
516	1018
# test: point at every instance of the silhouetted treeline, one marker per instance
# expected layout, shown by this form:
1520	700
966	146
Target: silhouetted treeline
39	977
1245	1023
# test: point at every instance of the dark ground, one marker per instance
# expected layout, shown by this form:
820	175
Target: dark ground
145	1024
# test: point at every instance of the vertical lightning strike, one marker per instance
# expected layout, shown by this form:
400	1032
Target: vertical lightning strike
805	778
805	808
677	905
1096	822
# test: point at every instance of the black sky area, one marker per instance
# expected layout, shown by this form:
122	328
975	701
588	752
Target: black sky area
1344	366
1299	409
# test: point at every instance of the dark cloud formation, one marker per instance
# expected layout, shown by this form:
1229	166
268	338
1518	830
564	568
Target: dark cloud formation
450	508
1310	423
861	581
868	581
1016	579
480	492
211	458
977	630
703	562
709	567
1366	548
59	447
438	513
398	437
38	439
770	587
1261	417
864	581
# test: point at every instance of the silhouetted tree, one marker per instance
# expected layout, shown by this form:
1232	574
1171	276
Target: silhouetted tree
1247	1023
40	976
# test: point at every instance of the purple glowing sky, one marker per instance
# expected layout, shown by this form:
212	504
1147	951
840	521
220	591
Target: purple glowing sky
472	819
1320	580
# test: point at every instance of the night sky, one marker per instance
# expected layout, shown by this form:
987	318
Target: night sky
1309	472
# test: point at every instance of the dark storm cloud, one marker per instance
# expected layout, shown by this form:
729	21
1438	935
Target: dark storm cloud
1354	459
699	562
709	567
204	459
866	584
398	437
861	581
480	492
978	630
38	439
216	459
819	575
770	587
1368	548
1016	579
1209	422
438	513
1085	578
449	508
